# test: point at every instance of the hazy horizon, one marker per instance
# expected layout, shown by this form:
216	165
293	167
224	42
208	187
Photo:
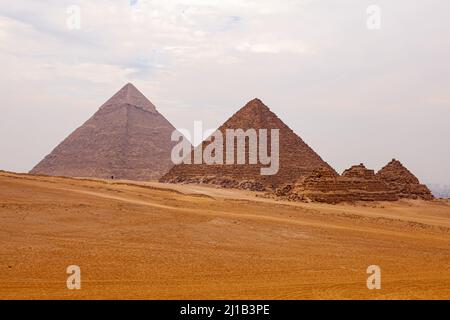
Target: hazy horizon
353	94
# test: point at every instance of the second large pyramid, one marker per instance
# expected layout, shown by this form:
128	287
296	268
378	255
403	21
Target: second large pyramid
296	158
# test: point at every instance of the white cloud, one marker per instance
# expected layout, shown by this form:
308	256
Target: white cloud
273	46
89	72
313	62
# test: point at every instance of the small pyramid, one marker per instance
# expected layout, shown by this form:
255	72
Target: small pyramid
127	138
400	179
359	172
296	158
356	184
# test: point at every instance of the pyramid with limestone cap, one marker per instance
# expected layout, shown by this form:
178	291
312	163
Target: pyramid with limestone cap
127	138
129	95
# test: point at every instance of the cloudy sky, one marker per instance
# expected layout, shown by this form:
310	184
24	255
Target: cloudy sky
353	93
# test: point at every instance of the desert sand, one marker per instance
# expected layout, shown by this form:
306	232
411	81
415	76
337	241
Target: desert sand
157	241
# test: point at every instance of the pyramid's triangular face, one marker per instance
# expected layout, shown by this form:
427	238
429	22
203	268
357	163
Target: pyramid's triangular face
396	172
296	158
127	138
406	184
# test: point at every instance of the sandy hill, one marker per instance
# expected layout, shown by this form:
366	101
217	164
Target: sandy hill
139	240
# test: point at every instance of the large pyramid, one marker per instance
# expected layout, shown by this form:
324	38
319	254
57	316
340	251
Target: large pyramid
296	158
127	138
403	181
